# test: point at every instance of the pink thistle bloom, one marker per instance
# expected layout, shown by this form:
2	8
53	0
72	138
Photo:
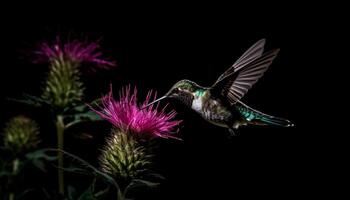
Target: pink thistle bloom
76	51
128	116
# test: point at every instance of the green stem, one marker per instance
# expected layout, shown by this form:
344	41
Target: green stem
12	196
121	196
60	144
15	166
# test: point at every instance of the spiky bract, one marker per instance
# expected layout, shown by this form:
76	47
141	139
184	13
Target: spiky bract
21	134
123	157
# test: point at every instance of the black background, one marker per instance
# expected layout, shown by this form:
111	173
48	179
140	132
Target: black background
155	47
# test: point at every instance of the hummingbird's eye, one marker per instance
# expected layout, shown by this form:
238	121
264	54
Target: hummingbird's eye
176	90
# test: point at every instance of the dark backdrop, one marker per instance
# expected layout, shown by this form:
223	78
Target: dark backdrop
154	48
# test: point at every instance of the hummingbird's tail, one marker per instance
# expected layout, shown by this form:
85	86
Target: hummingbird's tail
255	117
272	120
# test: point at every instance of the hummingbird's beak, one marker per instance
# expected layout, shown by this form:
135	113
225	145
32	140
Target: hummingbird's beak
153	102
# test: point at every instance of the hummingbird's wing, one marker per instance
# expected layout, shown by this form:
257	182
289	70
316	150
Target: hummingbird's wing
251	54
236	84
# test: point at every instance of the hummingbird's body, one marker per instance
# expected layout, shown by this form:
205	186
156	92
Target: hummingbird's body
211	109
218	111
220	104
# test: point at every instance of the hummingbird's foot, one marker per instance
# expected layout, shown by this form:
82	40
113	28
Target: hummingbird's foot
232	132
231	129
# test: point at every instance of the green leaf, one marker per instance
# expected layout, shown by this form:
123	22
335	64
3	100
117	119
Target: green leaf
71	192
155	176
39	164
102	192
79	108
87	195
40	154
76	170
88	116
138	183
5	173
37	158
78	114
88	169
30	100
83	136
24	193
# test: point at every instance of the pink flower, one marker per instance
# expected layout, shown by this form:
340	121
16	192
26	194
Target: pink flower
126	115
76	51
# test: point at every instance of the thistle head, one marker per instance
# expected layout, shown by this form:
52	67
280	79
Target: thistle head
21	134
123	158
126	115
75	52
63	88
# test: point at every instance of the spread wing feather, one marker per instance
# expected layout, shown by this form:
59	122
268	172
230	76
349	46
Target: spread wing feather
251	54
235	84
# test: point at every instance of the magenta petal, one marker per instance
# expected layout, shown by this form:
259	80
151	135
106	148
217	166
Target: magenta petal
76	51
125	114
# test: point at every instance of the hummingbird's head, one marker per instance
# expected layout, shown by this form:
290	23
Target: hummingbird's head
181	88
182	91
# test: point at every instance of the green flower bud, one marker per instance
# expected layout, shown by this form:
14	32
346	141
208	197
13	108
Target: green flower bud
124	158
21	134
63	87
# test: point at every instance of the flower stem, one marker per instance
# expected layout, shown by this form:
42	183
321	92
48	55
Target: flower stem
60	144
12	196
15	166
121	196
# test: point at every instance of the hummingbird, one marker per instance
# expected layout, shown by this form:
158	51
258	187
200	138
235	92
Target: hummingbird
220	104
